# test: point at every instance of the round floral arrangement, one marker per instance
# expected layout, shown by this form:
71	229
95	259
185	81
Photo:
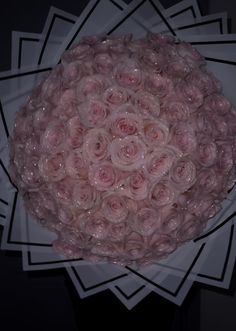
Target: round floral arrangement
126	149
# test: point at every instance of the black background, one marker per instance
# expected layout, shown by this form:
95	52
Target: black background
47	300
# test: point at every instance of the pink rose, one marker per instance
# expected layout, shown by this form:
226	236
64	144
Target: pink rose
178	67
158	40
146	221
191	227
174	111
138	185
53	137
134	246
75	164
30	174
96	225
217	103
76	132
67	105
93	113
91	85
158	85
117	231
96	145
183	137
156	133
225	156
116	96
190	94
162	193
103	63
128	74
152	60
105	248
52	167
23	125
114	208
103	176
124	124
127	153
146	103
84	195
71	73
171	220
183	174
202	80
190	54
208	180
206	153
159	162
220	127
65	215
62	190
41	118
78	52
161	245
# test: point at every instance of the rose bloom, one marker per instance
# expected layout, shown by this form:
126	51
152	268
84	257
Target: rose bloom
76	132
53	137
146	221
116	96
146	103
183	174
128	74
75	164
155	133
138	185
93	113
103	176
52	167
114	208
162	193
134	246
96	145
84	196
127	153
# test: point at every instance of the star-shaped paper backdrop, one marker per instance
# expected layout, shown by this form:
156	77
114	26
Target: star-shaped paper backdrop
33	56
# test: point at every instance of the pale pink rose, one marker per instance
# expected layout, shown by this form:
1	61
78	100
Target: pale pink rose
32	145
116	95
128	74
109	249
71	73
30	174
84	195
122	124
159	162
78	52
127	153
93	113
103	176
156	133
96	225
178	67
96	145
183	174
114	208
220	127
206	153
61	246
157	39
91	85
62	190
190	94
202	80
191	228
117	231
161	245
137	185
190	54
52	167
175	111
135	46
201	205
183	137
158	85
146	103
67	105
230	119
76	132
65	215
225	156
171	220
52	86
217	103
146	221
203	123
41	118
162	193
208	180
134	246
103	63
53	137
152	60
75	164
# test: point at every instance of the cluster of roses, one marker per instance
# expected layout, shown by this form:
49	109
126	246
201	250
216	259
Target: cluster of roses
126	149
